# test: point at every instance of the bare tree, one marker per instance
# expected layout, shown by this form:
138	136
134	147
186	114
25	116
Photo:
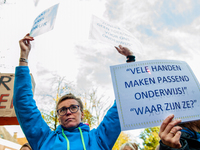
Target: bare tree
94	106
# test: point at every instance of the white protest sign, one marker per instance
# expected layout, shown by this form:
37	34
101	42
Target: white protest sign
112	34
148	91
45	21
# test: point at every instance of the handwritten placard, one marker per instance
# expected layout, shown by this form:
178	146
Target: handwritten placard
113	34
7	112
148	91
45	21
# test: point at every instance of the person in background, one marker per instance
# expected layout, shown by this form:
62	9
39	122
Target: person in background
129	146
26	146
71	133
176	135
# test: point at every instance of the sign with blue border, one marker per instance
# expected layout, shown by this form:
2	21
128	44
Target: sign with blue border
148	91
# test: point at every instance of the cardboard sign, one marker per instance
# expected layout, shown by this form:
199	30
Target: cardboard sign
45	21
148	91
112	34
7	111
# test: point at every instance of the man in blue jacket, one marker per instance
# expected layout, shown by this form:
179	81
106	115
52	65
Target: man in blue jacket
71	134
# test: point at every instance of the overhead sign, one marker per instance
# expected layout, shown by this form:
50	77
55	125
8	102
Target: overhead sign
7	112
45	21
112	34
148	91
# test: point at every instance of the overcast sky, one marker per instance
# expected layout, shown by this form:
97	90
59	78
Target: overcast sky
167	29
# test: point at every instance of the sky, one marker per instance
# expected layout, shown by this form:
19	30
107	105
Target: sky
166	29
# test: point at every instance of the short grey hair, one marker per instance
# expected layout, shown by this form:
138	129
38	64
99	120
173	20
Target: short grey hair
129	145
70	96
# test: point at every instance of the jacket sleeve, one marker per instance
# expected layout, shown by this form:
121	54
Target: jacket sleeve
184	144
28	115
109	129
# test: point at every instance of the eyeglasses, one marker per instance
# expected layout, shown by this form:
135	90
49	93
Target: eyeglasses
73	109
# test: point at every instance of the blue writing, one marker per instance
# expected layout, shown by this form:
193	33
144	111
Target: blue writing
146	109
140	82
166	68
39	20
159	92
138	70
172	106
103	26
112	35
169	79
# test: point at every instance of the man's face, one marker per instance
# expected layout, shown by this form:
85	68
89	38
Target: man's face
70	120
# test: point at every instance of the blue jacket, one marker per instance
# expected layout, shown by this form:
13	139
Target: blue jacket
40	136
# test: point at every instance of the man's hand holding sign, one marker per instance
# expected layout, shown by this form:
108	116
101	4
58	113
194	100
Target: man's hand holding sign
170	133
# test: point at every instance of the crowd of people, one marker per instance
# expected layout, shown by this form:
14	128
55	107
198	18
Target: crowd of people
72	133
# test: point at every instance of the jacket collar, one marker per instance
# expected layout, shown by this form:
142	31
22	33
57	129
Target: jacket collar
84	127
192	134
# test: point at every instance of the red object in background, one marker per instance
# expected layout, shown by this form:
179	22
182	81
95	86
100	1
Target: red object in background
8	121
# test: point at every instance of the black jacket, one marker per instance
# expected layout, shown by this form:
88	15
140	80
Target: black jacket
187	142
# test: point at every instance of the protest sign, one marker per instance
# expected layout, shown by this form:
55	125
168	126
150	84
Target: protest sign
45	21
113	35
7	112
36	2
148	91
